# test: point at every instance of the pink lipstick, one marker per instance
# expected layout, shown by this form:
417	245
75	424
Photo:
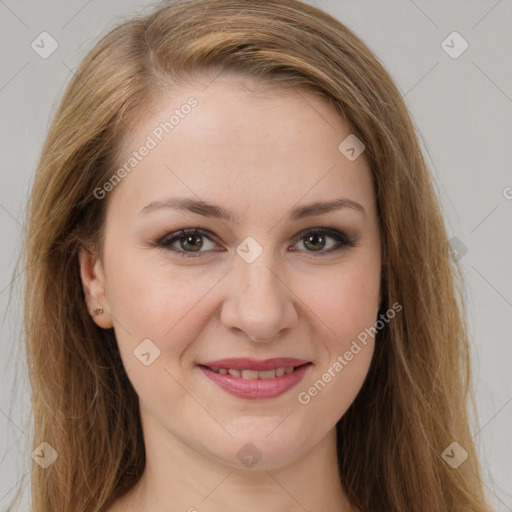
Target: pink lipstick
255	379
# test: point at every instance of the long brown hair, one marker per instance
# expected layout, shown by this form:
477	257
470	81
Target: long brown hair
415	400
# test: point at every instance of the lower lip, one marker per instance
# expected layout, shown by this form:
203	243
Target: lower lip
256	389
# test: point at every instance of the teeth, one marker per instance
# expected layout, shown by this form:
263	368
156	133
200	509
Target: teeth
254	374
268	374
249	374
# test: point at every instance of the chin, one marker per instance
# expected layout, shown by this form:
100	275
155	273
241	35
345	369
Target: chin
262	446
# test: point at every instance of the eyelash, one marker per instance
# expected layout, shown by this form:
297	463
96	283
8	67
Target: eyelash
165	242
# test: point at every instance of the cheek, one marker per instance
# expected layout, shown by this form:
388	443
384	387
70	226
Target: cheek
344	310
345	299
158	300
164	304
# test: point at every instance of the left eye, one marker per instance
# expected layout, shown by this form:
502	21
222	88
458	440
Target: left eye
314	240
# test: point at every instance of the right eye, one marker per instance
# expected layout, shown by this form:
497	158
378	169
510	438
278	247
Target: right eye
190	240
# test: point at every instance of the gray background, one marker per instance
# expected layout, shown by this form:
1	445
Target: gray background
462	107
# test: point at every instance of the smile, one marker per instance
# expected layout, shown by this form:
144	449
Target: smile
250	383
254	374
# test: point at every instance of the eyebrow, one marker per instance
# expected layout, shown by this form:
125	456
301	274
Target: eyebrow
211	210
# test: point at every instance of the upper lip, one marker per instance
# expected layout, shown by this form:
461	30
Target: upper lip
245	363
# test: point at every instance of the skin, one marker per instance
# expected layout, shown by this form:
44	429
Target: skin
260	152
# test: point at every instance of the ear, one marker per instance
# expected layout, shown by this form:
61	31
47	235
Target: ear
93	283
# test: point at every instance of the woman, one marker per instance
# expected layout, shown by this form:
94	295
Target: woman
239	293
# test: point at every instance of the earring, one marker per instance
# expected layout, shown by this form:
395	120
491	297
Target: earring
97	312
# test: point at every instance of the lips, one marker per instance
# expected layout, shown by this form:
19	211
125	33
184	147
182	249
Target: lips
244	363
253	379
254	374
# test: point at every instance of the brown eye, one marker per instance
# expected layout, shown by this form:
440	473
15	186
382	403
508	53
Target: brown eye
316	240
190	240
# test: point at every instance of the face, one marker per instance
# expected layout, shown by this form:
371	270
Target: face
262	277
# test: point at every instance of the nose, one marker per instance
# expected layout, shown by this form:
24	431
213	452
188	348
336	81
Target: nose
260	303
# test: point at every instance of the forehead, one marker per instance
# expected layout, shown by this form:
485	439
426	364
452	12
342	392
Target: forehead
242	142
